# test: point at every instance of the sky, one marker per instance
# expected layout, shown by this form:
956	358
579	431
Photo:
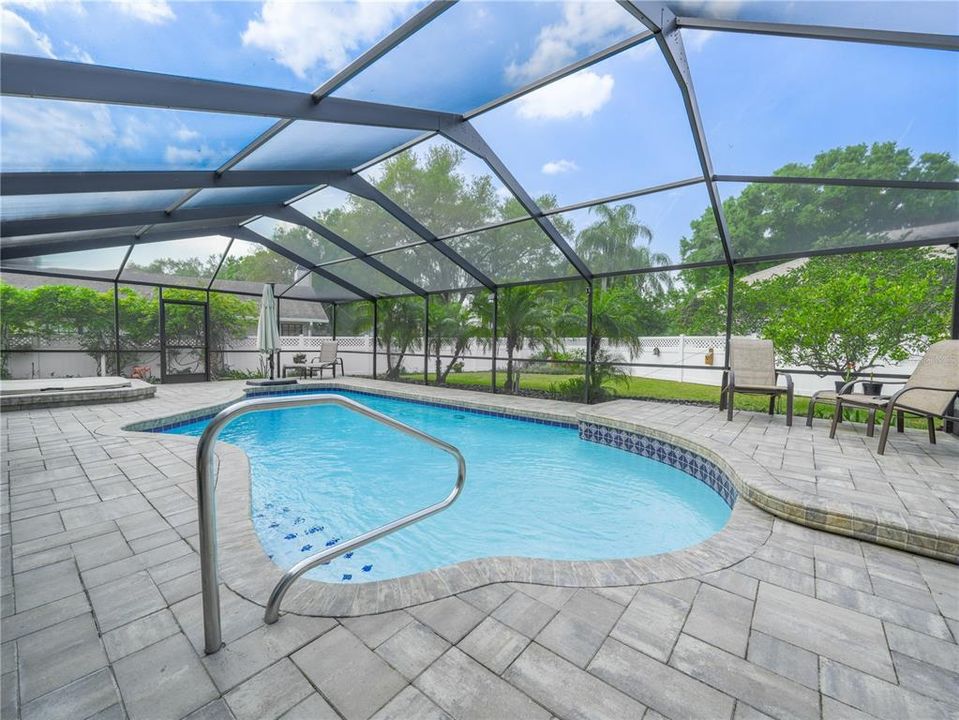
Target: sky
615	127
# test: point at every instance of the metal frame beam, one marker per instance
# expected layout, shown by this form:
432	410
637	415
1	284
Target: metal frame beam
823	32
16	228
243	233
357	185
55	183
10	251
26	76
842	182
661	21
292	215
467	137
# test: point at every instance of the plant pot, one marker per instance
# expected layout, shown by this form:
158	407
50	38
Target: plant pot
872	388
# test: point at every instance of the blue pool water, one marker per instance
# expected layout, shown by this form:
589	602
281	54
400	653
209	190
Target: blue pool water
324	474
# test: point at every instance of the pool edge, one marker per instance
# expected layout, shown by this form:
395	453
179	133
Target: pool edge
246	569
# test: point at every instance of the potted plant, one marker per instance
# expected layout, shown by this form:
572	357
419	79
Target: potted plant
299	358
872	387
847	375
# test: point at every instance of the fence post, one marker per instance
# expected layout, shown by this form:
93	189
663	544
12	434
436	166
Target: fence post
682	358
426	341
374	338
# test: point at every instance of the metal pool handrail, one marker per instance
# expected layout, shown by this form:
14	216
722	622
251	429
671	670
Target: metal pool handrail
206	504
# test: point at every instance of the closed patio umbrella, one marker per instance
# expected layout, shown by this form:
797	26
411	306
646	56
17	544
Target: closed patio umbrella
267	340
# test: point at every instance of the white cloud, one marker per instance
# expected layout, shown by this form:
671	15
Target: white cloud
78	54
37	135
185	134
585	28
303	35
44	6
580	95
199	155
694	40
559	167
154	12
19	36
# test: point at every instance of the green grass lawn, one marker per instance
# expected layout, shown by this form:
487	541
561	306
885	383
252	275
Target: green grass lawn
655	389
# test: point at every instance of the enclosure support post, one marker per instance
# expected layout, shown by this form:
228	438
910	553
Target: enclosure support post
276	353
426	341
333	319
950	425
207	365
730	283
162	336
495	335
116	322
589	341
374	338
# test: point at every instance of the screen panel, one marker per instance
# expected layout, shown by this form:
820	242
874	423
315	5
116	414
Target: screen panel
307	145
217	197
478	51
249	266
295	46
101	263
371	280
644	231
362	222
444	187
767	218
513	253
187	263
922	16
314	286
303	241
617	126
41	134
25	207
428	268
802	107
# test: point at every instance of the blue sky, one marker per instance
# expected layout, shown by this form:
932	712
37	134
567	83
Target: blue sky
615	127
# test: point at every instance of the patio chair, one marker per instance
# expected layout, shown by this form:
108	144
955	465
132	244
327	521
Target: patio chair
752	371
328	358
928	393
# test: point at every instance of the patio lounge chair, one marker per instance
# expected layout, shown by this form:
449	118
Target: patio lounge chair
328	358
752	371
928	393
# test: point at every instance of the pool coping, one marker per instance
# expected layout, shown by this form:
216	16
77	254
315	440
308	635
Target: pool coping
247	570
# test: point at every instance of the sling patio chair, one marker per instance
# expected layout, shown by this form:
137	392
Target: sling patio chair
928	393
752	371
328	358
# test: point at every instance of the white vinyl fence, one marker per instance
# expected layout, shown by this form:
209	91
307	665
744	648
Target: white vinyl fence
692	352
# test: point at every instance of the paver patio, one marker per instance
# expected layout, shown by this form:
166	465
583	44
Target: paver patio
101	611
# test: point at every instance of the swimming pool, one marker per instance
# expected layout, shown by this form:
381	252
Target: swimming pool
323	474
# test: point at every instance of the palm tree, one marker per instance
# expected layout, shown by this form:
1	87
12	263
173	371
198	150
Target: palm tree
453	323
618	240
524	320
400	327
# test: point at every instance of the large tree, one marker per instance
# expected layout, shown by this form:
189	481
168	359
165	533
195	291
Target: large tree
852	313
770	218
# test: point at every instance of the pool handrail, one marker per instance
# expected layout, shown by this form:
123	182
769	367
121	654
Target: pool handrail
206	504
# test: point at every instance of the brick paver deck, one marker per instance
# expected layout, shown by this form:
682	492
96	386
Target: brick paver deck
101	611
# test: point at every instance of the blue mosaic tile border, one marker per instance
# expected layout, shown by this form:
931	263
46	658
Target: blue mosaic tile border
448	406
678	457
165	426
